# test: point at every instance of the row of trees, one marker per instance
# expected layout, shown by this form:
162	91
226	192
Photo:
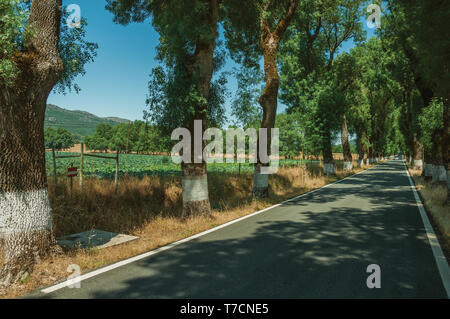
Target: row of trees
384	91
143	138
137	136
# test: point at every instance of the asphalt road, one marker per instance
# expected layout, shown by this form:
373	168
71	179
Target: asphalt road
317	246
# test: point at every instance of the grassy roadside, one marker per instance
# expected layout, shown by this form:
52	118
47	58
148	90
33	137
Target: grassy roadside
433	198
150	208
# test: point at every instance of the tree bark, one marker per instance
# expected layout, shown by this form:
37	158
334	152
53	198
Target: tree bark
269	41
348	160
417	153
439	174
194	175
25	215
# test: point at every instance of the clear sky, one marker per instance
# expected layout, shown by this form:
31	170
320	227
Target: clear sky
116	83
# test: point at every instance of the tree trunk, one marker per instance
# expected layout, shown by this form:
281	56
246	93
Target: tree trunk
268	102
25	216
201	66
329	166
364	150
195	190
417	153
269	42
427	166
439	174
348	160
371	155
359	150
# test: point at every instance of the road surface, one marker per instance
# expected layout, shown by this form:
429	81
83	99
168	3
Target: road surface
316	246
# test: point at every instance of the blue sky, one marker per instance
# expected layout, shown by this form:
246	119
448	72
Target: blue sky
116	83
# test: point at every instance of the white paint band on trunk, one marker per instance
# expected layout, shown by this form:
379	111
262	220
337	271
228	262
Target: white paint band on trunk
260	180
195	188
418	163
25	211
360	163
348	166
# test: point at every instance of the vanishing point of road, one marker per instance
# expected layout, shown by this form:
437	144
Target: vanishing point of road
318	245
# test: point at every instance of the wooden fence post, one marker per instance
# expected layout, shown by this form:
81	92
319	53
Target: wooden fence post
117	172
81	166
54	166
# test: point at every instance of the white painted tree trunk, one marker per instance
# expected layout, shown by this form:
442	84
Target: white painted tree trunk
195	195
360	163
418	164
25	212
25	230
260	184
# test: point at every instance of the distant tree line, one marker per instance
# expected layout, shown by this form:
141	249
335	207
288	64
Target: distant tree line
58	138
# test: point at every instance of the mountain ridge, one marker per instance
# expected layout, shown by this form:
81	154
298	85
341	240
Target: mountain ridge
79	123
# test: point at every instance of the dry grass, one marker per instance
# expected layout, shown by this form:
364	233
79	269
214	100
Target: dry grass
150	208
434	197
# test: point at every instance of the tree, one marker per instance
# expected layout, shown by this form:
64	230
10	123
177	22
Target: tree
100	140
245	108
309	81
185	88
58	139
291	134
429	36
30	67
263	25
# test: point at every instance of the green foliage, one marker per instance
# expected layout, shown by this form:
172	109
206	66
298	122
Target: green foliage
144	165
75	51
137	136
314	80
291	134
175	93
431	120
100	140
245	108
13	15
58	139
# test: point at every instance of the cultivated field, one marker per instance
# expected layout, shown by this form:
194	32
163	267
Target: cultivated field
146	165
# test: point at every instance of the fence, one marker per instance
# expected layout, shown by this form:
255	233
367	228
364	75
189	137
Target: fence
81	156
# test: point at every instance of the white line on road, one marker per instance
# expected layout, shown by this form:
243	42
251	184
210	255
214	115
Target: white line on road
441	261
167	247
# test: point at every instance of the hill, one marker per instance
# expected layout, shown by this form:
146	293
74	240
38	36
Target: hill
79	123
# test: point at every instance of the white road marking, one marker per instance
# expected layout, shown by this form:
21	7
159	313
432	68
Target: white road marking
169	246
441	261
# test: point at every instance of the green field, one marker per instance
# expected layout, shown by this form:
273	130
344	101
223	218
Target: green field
140	165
